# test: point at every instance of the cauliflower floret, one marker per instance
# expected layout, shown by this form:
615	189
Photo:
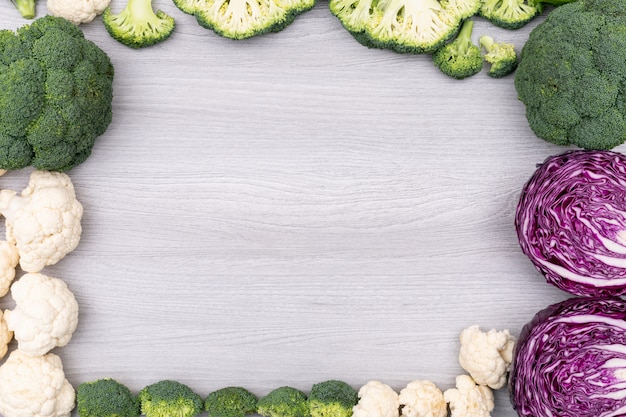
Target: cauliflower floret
469	399
77	11
422	399
34	386
377	400
45	313
5	336
487	356
44	221
9	259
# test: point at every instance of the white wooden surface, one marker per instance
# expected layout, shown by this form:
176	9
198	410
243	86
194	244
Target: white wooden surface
294	208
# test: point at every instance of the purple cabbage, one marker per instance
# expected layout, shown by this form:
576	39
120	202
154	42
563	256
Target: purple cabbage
570	361
571	222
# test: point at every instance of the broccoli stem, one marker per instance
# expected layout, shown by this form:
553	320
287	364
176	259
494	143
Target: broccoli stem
464	37
25	7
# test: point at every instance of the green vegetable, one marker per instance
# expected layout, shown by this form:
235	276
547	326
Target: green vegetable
137	25
284	402
405	26
572	76
460	58
25	7
513	14
55	95
169	398
106	398
241	19
230	402
332	399
501	56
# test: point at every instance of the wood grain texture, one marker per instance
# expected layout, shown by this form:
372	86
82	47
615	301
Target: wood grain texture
293	208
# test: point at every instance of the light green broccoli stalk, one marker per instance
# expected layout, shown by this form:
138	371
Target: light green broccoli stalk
284	402
332	399
169	399
106	398
25	7
460	58
501	56
137	25
230	402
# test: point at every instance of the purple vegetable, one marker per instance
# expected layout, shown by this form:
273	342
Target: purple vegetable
571	222
570	361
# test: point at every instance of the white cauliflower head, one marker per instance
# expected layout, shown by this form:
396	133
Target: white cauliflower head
422	399
377	400
77	11
9	258
34	386
5	336
44	221
469	399
45	314
487	356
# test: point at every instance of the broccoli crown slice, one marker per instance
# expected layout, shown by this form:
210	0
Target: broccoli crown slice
284	402
508	14
169	398
460	58
230	402
332	398
138	25
106	398
500	55
571	75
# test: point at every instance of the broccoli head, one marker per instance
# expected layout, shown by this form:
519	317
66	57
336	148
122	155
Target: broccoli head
56	90
169	398
572	78
138	25
501	56
230	402
460	58
25	7
106	398
241	19
332	398
284	402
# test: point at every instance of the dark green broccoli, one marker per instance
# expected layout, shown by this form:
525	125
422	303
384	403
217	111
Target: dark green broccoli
572	78
138	25
332	399
25	7
56	90
460	58
169	398
284	402
230	402
500	55
513	14
106	398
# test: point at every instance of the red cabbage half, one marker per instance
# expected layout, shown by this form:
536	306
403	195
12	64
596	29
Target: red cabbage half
571	222
570	361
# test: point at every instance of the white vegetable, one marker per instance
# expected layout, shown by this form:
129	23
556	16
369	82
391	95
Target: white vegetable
469	399
9	259
376	400
77	11
487	356
44	221
45	314
5	336
34	386
422	399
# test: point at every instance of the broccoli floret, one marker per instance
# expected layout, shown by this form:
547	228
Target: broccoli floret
25	7
354	15
106	398
284	402
241	19
138	25
571	75
332	399
55	95
514	14
460	58
230	402
169	398
501	56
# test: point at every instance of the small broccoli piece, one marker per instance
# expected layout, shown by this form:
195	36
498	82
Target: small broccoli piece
501	56
354	15
332	398
25	7
284	402
169	398
137	25
514	14
230	402
460	58
106	398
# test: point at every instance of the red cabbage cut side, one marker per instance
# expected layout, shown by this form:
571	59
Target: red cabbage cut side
571	222
570	361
